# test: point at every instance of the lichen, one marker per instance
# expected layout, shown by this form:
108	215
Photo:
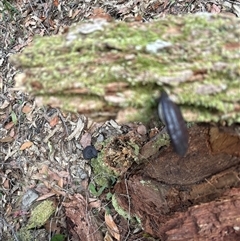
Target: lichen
118	209
40	214
202	51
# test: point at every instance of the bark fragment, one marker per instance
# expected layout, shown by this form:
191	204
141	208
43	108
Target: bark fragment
191	198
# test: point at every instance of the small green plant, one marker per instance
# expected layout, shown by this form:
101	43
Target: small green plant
98	190
58	237
95	192
14	118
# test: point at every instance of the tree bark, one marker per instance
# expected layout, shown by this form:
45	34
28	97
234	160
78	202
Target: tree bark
195	197
101	68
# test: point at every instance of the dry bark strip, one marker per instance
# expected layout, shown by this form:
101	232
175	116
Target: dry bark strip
216	220
81	223
192	198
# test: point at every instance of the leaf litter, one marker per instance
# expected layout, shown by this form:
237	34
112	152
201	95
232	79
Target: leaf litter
41	148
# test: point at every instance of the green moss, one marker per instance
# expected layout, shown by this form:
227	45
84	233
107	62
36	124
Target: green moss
25	235
40	214
119	210
162	140
200	45
102	173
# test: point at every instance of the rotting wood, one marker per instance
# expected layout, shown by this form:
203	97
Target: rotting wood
180	198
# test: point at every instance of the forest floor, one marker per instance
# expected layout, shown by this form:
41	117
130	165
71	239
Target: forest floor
27	180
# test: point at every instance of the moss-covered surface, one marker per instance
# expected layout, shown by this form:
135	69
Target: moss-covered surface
39	215
116	157
120	211
199	66
102	173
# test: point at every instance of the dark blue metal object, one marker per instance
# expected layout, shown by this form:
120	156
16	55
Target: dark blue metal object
89	152
172	117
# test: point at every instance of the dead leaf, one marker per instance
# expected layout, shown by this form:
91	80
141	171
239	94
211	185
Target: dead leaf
52	227
115	86
6	139
100	13
46	196
55	3
108	237
60	182
44	169
18	47
6	184
8	210
86	139
26	145
47	184
53	122
142	130
215	9
4	105
222	142
232	46
112	227
64	174
9	125
76	12
26	108
12	133
36	85
94	203
41	188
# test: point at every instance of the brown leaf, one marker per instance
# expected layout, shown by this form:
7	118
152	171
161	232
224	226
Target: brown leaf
36	85
53	227
6	139
44	169
232	46
94	203
76	12
215	9
26	145
9	125
112	227
108	237
86	139
142	130
26	108
54	121
116	86
60	182
4	104
6	184
46	196
12	133
100	13
55	3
